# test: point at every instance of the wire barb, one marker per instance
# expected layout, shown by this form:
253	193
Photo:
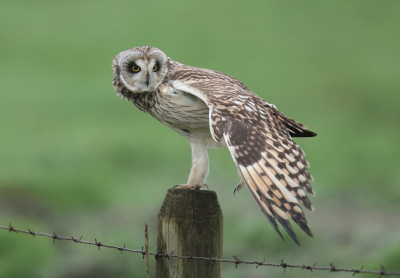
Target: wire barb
236	261
169	256
357	271
11	228
307	267
382	272
260	263
121	248
98	243
54	236
31	232
333	268
284	266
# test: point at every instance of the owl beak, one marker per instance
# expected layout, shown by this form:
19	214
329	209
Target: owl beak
147	79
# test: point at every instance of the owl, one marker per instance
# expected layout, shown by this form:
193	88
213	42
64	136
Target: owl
212	110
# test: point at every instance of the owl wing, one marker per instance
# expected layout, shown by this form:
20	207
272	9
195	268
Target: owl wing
271	164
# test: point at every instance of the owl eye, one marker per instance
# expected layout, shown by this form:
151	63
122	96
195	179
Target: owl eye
155	68
132	67
135	68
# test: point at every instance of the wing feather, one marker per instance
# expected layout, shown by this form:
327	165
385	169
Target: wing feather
259	139
265	201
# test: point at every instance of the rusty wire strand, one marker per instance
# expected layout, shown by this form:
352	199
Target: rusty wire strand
236	261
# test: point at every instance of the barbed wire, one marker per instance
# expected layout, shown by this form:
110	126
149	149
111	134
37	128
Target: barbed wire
236	261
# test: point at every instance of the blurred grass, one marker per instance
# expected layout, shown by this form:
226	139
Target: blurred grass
78	160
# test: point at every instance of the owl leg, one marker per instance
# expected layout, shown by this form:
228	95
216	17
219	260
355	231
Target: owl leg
241	183
199	171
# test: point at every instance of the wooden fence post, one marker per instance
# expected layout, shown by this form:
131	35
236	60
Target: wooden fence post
189	222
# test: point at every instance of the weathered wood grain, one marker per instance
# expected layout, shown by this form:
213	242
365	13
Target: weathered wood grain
189	222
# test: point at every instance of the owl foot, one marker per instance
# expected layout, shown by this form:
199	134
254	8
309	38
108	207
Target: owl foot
187	186
237	188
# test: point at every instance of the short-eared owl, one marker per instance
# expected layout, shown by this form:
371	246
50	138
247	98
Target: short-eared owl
211	110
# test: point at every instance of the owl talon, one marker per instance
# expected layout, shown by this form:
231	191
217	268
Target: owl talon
237	188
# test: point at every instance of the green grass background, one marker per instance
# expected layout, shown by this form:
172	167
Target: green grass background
77	160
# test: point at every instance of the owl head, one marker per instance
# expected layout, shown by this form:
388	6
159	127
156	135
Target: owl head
140	69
